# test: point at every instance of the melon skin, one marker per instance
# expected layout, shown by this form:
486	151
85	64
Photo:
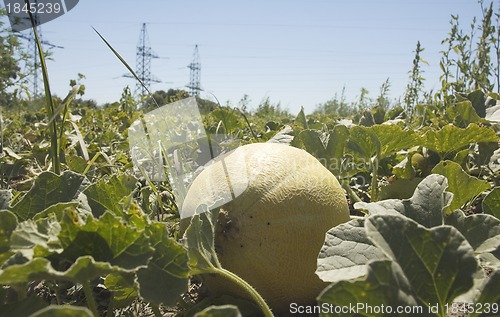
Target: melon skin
276	204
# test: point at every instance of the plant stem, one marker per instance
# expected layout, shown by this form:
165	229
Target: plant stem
352	195
374	189
156	310
248	288
90	298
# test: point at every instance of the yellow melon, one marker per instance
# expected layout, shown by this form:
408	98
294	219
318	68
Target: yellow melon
276	204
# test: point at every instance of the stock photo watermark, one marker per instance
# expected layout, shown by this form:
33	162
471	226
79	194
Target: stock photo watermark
42	12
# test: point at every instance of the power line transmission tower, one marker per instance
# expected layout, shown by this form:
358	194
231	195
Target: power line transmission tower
33	67
144	55
195	74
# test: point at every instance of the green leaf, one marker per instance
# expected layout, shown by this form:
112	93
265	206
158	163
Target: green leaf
384	285
491	203
462	113
346	252
31	235
83	269
107	239
425	206
220	311
63	311
400	189
438	262
229	119
76	163
123	288
200	242
165	278
335	147
328	149
491	259
463	186
489	296
57	209
404	169
48	189
105	194
451	138
284	136
8	223
481	231
22	308
478	101
364	142
393	138
312	141
301	119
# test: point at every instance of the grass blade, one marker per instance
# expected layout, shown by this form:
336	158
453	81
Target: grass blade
127	66
49	103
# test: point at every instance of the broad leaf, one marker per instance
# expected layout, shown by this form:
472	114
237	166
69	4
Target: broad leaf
404	169
105	194
84	269
165	278
399	189
8	223
312	141
491	259
364	142
490	297
425	206
438	262
462	113
22	308
63	311
31	235
384	285
335	147
328	149
123	288
478	101
107	239
481	231
57	210
200	242
463	186
491	203
346	252
220	311
451	138
301	119
48	189
284	136
393	138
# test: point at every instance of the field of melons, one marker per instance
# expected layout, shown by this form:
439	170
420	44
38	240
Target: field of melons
353	210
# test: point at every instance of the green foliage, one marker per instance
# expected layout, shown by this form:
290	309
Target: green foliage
91	226
414	254
9	68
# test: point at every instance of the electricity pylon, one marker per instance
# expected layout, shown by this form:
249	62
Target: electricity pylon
195	74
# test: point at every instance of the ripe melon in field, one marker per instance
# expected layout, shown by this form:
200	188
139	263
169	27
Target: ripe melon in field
277	202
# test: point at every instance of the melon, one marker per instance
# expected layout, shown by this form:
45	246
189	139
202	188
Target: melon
276	202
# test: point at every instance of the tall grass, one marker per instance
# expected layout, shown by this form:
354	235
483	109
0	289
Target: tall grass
49	102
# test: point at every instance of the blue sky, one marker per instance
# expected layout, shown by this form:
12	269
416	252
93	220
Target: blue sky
296	52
